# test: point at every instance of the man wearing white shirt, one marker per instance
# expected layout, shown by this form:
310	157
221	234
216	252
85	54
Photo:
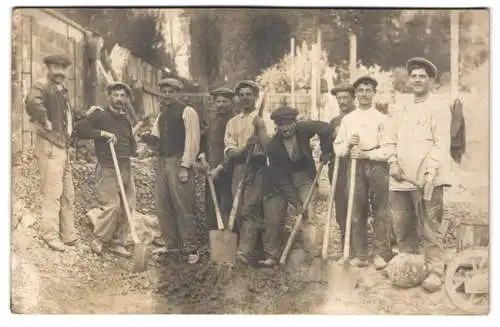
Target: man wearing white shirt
360	136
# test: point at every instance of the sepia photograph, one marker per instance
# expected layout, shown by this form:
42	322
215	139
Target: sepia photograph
250	160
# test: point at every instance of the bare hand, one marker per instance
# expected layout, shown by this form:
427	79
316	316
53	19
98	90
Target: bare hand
214	173
354	140
110	136
357	153
183	174
252	140
258	122
92	109
48	125
395	171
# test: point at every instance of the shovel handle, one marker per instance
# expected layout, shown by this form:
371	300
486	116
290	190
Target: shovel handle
331	198
296	227
239	191
123	194
352	181
220	223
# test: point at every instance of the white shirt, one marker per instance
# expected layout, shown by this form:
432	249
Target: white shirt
369	124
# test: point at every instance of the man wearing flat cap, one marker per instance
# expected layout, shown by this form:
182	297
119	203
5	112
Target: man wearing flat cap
345	95
420	145
360	137
212	149
246	132
49	108
111	124
290	175
176	136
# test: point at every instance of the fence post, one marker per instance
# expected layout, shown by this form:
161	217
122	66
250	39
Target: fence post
92	84
17	90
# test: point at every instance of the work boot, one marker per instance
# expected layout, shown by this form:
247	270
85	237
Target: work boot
432	283
121	251
56	245
379	262
357	262
160	242
270	262
96	246
193	257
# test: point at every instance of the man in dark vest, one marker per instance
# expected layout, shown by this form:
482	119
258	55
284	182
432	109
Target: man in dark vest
176	136
290	173
49	107
110	124
243	132
212	149
345	99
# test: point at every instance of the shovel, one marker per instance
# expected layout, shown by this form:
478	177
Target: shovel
298	222
328	218
140	249
220	250
344	280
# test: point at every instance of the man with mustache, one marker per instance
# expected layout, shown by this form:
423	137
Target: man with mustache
111	124
345	98
212	148
289	176
243	131
176	136
49	107
420	145
360	136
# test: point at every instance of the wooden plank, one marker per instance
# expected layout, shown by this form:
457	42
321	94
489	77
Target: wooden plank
26	43
26	124
17	72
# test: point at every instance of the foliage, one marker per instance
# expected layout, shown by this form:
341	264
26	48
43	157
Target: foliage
139	30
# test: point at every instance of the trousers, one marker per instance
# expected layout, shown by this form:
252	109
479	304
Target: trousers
417	221
371	188
275	209
111	223
175	204
58	194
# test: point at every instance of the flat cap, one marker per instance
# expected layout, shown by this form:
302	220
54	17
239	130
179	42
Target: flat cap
119	86
246	83
365	80
57	59
223	91
284	113
418	62
170	82
342	88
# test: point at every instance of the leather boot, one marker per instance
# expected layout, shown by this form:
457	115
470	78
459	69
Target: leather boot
248	239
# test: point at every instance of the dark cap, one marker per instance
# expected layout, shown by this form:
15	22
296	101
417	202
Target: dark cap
173	82
343	88
118	86
246	83
418	62
284	113
222	91
365	80
57	59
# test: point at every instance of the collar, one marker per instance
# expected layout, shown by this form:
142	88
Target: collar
365	110
425	98
243	114
114	112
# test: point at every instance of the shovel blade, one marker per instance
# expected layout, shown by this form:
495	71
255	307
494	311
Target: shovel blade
344	278
141	256
223	245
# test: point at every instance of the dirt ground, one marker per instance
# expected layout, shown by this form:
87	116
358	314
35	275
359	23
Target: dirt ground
78	281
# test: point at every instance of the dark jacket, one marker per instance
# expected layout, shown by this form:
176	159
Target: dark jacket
45	102
278	174
212	138
113	122
457	129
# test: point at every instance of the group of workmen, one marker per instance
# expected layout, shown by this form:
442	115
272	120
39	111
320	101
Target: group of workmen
277	167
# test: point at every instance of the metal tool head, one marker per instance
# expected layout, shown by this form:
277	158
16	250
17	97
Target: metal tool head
141	257
223	245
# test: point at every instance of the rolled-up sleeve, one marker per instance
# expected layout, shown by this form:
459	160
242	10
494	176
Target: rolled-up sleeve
382	152
390	139
440	127
340	146
230	137
192	142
